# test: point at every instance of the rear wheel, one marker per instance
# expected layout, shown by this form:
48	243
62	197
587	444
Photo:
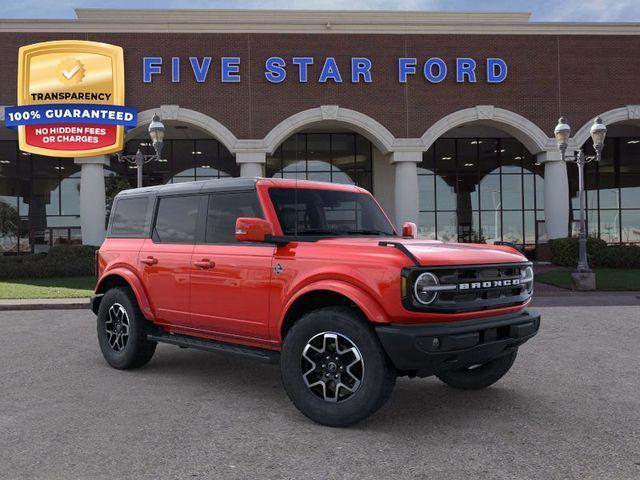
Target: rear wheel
122	331
334	368
477	377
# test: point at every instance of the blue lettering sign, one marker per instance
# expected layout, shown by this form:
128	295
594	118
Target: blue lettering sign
330	71
360	67
275	69
434	69
230	70
406	66
465	67
151	66
200	71
496	70
428	70
303	65
175	69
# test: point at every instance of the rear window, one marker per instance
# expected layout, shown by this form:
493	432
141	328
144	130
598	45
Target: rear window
129	217
176	219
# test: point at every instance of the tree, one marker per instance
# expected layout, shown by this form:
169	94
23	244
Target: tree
9	222
114	184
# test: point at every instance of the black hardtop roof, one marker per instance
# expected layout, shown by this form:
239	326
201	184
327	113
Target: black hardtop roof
200	186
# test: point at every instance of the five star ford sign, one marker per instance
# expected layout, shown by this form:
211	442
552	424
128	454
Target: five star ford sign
70	99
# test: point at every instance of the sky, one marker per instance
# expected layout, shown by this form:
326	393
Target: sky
542	10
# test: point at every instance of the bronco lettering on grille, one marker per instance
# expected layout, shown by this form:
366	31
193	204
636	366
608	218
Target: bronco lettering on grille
508	282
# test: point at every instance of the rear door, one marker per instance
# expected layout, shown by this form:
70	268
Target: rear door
230	280
165	258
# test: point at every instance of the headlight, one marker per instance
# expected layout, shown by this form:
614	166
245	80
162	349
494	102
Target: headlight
423	288
526	278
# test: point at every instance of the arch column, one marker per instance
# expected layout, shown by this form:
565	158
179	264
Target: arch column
251	163
556	194
406	186
93	210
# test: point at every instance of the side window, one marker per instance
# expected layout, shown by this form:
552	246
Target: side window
224	210
129	217
176	219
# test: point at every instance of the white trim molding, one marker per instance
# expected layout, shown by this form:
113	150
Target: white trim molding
192	117
531	136
622	114
199	21
373	130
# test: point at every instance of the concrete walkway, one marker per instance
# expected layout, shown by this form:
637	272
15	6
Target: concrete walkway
44	304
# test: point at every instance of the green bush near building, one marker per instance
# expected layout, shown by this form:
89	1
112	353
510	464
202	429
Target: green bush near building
564	252
607	279
61	261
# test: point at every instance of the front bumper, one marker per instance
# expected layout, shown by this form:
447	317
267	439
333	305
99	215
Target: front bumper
429	349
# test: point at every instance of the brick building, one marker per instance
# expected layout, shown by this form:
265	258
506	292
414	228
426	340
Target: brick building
447	118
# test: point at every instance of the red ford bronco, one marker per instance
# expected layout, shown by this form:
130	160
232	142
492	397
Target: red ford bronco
311	276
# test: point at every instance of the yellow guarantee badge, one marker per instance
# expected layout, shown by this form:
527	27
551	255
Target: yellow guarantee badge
71	99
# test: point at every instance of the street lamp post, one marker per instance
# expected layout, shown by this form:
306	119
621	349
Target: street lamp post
156	133
562	133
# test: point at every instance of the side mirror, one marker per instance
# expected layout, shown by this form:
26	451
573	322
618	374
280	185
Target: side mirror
409	230
253	229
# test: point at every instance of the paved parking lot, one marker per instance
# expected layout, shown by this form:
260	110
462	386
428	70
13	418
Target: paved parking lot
570	408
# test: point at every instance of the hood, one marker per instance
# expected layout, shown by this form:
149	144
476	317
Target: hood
436	253
439	253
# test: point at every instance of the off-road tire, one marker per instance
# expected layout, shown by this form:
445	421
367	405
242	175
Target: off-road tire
137	350
481	376
378	375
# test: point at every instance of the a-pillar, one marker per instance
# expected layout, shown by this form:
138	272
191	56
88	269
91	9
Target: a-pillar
93	209
251	163
556	194
406	186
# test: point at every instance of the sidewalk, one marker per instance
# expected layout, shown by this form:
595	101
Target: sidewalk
44	304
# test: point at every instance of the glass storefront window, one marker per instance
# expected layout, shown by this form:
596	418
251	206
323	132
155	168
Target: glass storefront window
40	196
512	227
630	224
327	157
512	192
610	225
630	190
447	226
612	191
480	190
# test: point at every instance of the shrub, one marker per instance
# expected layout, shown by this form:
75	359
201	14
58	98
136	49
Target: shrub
618	256
61	261
564	252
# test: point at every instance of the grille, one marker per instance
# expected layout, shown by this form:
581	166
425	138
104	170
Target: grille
474	287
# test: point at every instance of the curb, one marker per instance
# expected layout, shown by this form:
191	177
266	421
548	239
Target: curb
45	304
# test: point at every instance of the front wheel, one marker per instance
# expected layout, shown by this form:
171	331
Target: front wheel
122	331
334	369
477	377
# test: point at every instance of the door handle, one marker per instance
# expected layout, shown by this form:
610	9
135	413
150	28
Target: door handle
205	263
149	260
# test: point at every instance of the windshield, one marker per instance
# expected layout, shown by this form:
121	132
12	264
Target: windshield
328	212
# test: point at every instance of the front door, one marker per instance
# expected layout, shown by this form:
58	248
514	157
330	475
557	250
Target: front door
165	259
230	280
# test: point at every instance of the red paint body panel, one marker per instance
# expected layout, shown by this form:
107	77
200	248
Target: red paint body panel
230	292
232	297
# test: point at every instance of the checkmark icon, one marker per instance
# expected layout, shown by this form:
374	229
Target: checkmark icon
71	73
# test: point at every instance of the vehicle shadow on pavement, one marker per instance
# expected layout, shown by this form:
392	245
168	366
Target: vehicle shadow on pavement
415	403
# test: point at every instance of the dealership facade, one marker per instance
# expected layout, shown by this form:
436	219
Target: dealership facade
447	118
